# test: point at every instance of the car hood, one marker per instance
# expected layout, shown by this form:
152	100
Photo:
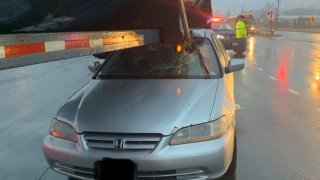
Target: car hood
140	106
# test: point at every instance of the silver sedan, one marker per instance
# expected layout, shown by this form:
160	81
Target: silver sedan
152	112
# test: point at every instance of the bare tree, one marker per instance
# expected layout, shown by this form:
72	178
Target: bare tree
270	7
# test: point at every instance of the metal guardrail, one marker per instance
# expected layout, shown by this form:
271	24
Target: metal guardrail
27	49
306	30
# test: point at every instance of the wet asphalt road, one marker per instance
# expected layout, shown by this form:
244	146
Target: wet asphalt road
278	123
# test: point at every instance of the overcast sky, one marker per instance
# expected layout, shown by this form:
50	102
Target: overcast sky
235	5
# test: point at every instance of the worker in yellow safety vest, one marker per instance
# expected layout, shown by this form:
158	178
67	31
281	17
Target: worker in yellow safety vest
241	29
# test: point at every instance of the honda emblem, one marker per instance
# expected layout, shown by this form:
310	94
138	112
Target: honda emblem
118	144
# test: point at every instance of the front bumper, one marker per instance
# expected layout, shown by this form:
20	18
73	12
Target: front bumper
204	160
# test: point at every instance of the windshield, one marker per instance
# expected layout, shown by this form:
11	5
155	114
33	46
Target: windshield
222	26
250	21
156	61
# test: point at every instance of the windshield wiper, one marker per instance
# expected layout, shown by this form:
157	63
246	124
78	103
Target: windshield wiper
207	75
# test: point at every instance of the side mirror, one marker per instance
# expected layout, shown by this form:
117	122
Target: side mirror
235	65
94	67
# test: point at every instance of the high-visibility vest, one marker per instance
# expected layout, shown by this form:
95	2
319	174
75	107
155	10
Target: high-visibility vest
241	30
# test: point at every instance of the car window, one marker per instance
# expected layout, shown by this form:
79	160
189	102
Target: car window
224	52
155	61
220	51
207	52
250	21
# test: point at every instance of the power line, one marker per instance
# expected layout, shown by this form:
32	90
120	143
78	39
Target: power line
315	4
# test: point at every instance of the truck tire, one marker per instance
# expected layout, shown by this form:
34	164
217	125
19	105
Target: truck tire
239	53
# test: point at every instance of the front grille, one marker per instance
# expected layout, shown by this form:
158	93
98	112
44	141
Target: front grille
90	174
77	172
131	142
184	174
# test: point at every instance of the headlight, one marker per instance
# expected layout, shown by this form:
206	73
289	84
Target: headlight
63	130
202	132
252	28
220	36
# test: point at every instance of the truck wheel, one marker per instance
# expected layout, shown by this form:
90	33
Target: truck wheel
231	172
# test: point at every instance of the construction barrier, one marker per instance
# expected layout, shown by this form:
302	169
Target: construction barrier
264	32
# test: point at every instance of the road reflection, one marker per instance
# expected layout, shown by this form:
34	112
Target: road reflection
250	54
282	68
314	78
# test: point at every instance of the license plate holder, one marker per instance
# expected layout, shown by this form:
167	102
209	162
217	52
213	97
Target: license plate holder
115	169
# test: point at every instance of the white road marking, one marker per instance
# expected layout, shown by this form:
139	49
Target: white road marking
260	69
292	91
273	78
238	107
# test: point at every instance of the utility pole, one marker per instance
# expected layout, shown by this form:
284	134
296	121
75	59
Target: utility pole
278	10
278	14
242	9
302	13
